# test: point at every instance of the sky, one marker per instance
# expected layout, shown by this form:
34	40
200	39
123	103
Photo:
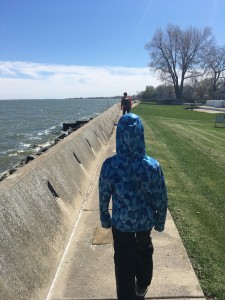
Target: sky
89	48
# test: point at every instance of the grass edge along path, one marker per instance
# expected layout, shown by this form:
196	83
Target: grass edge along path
191	152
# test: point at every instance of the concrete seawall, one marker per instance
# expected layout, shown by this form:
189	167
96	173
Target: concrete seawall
39	205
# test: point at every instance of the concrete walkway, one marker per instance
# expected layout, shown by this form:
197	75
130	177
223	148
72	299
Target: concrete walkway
86	270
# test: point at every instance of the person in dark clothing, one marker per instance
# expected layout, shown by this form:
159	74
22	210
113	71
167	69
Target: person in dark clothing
136	184
126	103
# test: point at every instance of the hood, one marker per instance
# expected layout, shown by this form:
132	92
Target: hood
130	136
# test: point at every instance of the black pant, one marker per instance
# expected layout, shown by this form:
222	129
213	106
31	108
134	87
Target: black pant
127	109
133	259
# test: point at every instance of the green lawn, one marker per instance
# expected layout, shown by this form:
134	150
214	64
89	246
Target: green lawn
192	154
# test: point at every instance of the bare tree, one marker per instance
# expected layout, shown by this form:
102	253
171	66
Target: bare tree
215	65
178	55
202	88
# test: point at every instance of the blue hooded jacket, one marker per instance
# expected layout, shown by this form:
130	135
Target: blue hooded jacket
134	181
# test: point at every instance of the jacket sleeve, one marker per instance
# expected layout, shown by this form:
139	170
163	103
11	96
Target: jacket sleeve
161	200
105	192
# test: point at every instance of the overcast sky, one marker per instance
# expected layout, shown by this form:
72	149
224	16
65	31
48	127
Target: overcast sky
83	48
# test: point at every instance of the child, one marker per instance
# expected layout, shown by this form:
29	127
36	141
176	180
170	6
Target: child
139	203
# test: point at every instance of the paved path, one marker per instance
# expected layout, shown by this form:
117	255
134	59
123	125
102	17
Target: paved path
87	270
210	109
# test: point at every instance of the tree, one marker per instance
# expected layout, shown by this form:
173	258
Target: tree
149	92
178	54
188	91
215	64
164	91
202	88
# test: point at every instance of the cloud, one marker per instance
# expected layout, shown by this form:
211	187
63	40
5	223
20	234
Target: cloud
26	80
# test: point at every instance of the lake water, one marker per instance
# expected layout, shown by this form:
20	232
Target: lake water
26	125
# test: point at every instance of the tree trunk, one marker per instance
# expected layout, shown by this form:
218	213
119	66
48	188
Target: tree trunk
178	92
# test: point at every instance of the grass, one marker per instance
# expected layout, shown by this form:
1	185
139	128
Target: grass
191	152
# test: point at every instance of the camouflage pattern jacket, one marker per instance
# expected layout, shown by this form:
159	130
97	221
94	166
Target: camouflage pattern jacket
135	182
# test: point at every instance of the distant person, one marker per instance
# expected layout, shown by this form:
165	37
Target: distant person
126	103
139	203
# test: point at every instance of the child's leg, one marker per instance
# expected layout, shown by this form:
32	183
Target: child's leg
144	267
125	263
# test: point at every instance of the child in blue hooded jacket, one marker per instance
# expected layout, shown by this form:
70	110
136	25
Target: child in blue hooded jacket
136	184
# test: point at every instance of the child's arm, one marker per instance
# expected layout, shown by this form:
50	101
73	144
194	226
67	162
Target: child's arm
105	192
161	201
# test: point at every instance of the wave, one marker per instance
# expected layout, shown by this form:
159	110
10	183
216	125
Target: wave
13	154
24	145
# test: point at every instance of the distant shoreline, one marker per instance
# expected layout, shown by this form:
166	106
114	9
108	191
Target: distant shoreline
75	98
